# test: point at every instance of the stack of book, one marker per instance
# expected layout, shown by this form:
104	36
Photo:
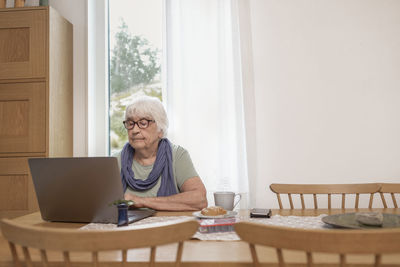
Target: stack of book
217	225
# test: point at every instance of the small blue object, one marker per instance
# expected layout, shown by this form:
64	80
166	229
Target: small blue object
122	214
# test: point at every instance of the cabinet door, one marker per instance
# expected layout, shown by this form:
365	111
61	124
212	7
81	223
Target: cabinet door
22	117
17	193
23	42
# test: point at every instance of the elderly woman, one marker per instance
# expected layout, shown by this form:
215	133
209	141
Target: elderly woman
156	173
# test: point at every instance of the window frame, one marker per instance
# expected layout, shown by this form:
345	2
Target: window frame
98	80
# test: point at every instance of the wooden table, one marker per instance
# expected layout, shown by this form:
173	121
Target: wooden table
201	253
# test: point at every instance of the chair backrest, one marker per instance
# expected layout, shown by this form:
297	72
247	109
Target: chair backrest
339	242
325	189
93	241
393	190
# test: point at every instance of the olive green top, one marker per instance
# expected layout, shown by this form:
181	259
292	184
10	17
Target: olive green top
182	168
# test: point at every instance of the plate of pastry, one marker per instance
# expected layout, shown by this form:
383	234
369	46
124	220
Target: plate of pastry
214	212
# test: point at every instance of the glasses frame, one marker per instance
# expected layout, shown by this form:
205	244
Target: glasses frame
137	123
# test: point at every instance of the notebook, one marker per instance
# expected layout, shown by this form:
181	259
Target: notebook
80	189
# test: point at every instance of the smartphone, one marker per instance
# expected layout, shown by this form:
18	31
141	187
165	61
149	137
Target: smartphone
260	213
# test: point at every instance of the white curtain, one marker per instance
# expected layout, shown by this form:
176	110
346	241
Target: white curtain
204	93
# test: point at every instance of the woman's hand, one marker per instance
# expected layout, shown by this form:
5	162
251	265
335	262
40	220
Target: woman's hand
137	201
193	197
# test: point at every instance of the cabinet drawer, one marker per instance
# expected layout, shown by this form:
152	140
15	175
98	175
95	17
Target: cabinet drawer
17	193
22	117
23	42
14	184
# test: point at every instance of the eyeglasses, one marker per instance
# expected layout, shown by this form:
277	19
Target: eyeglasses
142	123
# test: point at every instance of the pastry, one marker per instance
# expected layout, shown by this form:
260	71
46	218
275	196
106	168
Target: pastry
213	211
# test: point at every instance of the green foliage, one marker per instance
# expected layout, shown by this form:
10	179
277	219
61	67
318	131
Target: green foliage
134	70
122	201
134	61
118	128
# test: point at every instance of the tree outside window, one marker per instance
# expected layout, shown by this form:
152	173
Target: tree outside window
135	69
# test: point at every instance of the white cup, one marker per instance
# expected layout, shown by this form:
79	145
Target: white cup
226	200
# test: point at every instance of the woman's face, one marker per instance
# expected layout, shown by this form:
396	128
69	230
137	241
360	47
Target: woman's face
143	139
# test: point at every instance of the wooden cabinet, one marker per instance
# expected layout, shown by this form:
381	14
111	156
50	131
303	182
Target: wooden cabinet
35	99
23	117
23	43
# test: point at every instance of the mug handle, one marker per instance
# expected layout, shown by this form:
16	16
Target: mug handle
237	202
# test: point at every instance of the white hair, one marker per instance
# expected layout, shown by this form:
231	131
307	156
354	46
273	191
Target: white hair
151	108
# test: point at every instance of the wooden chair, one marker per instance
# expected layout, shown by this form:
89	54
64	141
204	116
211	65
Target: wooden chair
335	241
392	189
325	189
92	241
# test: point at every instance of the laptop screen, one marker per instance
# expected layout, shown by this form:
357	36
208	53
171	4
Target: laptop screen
78	189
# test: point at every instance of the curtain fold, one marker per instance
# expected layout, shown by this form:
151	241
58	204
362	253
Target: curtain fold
204	93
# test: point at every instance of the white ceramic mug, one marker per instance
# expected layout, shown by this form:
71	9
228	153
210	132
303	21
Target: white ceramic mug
226	200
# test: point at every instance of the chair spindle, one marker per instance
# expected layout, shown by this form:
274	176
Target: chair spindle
254	255
315	201
13	250
279	201
290	201
67	260
357	200
342	260
343	201
179	254
383	200
371	199
309	259
43	256
394	200
280	257
378	259
152	262
95	258
329	201
124	256
27	256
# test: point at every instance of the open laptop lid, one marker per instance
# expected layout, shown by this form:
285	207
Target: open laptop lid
78	189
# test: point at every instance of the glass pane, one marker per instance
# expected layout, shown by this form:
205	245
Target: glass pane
135	58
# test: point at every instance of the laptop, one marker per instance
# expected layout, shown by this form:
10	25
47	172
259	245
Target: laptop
80	190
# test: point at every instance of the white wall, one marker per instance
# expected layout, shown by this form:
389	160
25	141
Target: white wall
323	100
75	12
327	91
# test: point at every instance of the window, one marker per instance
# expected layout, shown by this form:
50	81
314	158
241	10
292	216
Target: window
135	34
199	44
